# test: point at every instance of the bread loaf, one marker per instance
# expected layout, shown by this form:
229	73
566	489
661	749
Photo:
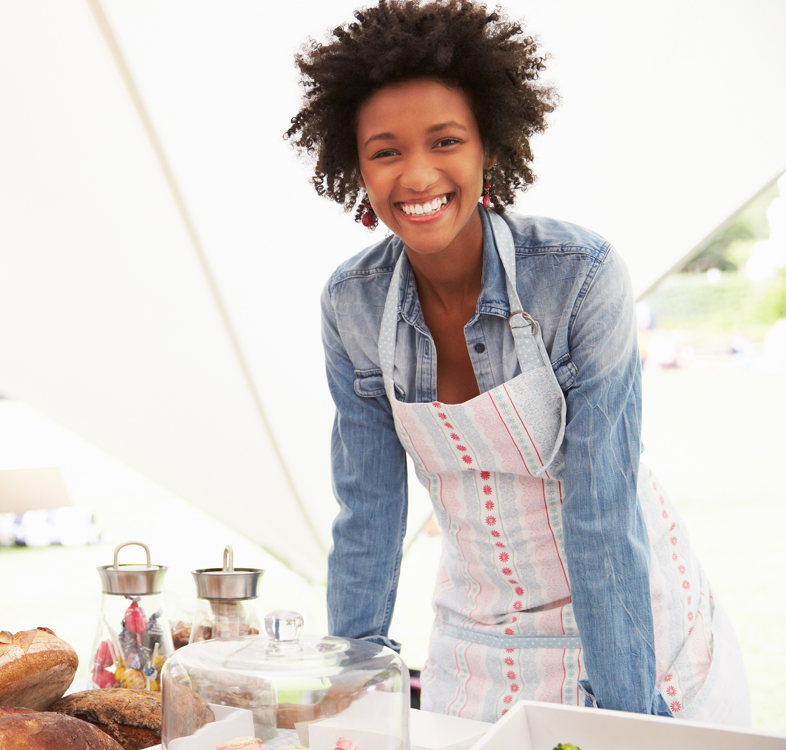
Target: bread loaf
48	731
36	668
186	710
8	710
131	717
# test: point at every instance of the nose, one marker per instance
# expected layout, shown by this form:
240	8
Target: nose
419	173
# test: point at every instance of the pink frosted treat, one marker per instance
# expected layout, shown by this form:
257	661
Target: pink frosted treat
244	743
344	744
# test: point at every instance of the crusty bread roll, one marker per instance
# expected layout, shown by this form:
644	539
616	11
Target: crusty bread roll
36	668
47	731
131	717
186	710
8	710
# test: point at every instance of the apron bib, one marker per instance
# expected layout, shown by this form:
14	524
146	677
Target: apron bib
504	627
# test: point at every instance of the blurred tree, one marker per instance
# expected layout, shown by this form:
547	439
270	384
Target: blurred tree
710	309
729	249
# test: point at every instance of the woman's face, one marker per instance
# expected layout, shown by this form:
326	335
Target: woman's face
421	161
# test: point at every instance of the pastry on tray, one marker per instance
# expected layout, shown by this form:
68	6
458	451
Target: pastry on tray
242	743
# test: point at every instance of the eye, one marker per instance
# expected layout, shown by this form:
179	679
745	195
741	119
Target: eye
384	153
446	142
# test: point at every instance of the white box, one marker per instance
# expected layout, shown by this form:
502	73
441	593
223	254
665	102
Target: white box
372	723
230	722
542	726
429	731
364	723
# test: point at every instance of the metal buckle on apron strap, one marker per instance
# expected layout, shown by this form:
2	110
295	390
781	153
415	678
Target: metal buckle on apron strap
527	317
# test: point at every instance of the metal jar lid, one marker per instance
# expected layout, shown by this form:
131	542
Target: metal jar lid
227	583
129	579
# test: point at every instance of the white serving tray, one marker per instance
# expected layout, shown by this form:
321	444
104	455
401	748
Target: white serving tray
361	723
238	721
542	726
427	731
372	722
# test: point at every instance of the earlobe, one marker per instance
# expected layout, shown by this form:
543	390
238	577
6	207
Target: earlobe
490	162
361	181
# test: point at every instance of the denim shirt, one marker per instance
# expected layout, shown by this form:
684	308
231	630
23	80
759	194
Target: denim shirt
575	286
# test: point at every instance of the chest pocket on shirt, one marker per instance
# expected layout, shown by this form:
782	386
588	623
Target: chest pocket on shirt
371	384
565	371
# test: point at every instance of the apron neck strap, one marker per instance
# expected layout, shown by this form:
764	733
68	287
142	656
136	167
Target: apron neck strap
388	327
524	329
503	239
522	326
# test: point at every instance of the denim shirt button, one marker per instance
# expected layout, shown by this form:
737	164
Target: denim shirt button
480	348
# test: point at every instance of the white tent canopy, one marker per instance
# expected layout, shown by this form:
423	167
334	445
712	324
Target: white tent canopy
163	252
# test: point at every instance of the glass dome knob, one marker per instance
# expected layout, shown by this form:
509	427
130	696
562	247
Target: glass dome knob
283	625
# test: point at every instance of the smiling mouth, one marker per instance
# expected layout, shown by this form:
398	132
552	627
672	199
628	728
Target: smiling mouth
429	208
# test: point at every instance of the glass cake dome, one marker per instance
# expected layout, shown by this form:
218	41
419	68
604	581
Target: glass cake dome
285	690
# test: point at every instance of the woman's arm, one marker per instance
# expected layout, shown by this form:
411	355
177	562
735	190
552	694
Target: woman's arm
606	540
370	484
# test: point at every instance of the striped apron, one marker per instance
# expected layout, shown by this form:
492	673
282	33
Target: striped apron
504	627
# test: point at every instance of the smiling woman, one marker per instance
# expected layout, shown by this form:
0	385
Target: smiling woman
499	352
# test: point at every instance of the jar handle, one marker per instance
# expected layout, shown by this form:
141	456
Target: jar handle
127	544
229	559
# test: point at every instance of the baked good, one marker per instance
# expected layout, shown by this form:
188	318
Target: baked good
181	634
242	743
8	710
131	717
36	668
186	710
47	731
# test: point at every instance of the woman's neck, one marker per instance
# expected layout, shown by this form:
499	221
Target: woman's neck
451	279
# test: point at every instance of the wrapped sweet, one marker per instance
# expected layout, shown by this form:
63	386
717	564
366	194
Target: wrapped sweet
133	679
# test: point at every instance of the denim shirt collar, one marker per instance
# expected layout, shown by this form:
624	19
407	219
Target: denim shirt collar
493	298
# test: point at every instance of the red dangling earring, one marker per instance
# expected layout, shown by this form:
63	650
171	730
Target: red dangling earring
368	214
486	188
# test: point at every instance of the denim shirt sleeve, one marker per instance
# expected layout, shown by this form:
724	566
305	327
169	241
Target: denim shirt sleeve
370	484
607	547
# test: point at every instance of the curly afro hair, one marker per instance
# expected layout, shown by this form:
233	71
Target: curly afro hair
455	41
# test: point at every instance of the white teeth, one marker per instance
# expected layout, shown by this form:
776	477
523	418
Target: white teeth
419	209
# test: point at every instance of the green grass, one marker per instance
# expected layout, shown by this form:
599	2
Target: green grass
710	314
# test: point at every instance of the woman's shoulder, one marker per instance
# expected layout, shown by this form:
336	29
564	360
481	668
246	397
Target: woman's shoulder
560	265
356	291
378	259
539	234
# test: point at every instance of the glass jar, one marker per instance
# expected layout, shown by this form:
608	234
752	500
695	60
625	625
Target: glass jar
133	638
227	603
286	689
